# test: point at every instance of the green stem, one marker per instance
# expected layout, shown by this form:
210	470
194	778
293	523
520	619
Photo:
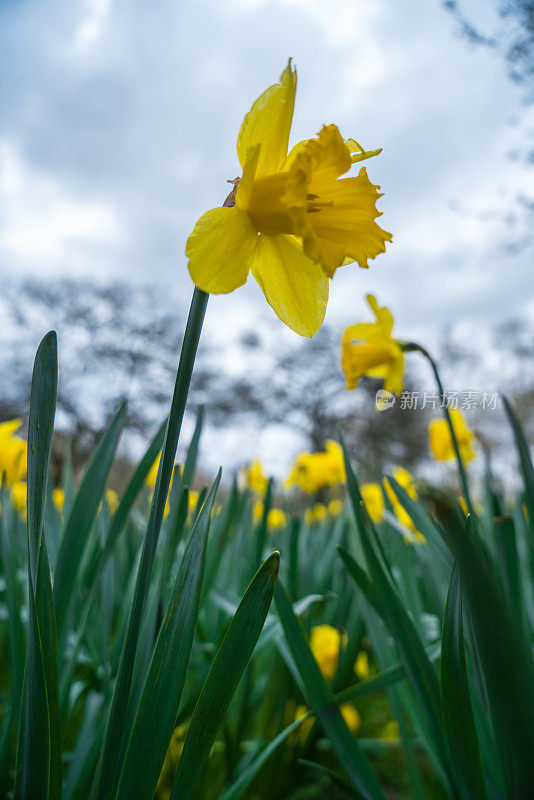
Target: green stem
413	346
113	745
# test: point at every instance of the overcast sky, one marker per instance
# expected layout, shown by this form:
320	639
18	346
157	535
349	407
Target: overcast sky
119	121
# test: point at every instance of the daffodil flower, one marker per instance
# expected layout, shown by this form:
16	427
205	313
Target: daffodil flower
290	219
441	442
369	349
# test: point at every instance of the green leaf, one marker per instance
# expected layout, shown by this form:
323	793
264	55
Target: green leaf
113	744
38	771
226	671
527	469
384	597
15	641
33	750
377	683
322	770
82	517
137	481
162	692
191	459
505	656
459	724
422	522
344	744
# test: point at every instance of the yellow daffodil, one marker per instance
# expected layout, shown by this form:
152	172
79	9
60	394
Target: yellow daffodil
351	716
255	478
305	728
312	471
348	712
361	665
373	499
19	492
13	453
58	498
192	500
335	507
276	519
325	644
404	479
290	219
170	765
151	478
316	514
112	500
441	441
390	732
368	348
257	511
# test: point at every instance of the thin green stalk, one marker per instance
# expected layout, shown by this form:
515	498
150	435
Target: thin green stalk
112	749
413	346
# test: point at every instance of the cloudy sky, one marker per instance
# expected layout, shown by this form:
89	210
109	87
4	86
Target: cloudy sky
119	121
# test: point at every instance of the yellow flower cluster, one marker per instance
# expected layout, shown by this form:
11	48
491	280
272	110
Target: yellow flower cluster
313	471
368	348
13	453
291	219
441	442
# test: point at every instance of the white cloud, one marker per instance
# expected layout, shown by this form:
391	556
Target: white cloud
91	26
43	226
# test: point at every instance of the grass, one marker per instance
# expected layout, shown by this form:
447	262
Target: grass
142	656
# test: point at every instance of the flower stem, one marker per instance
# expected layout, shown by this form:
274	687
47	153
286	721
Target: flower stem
113	746
413	346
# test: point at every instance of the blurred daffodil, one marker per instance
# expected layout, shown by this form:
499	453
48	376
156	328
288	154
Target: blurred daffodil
348	712
170	765
441	440
361	665
58	498
406	481
368	348
318	513
255	478
390	732
19	492
312	471
335	507
276	518
13	453
112	500
290	219
326	643
373	500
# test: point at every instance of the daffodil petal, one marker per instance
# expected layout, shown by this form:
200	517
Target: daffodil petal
345	226
294	286
268	123
383	315
220	250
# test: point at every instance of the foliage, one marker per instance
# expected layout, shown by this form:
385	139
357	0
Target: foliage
136	662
